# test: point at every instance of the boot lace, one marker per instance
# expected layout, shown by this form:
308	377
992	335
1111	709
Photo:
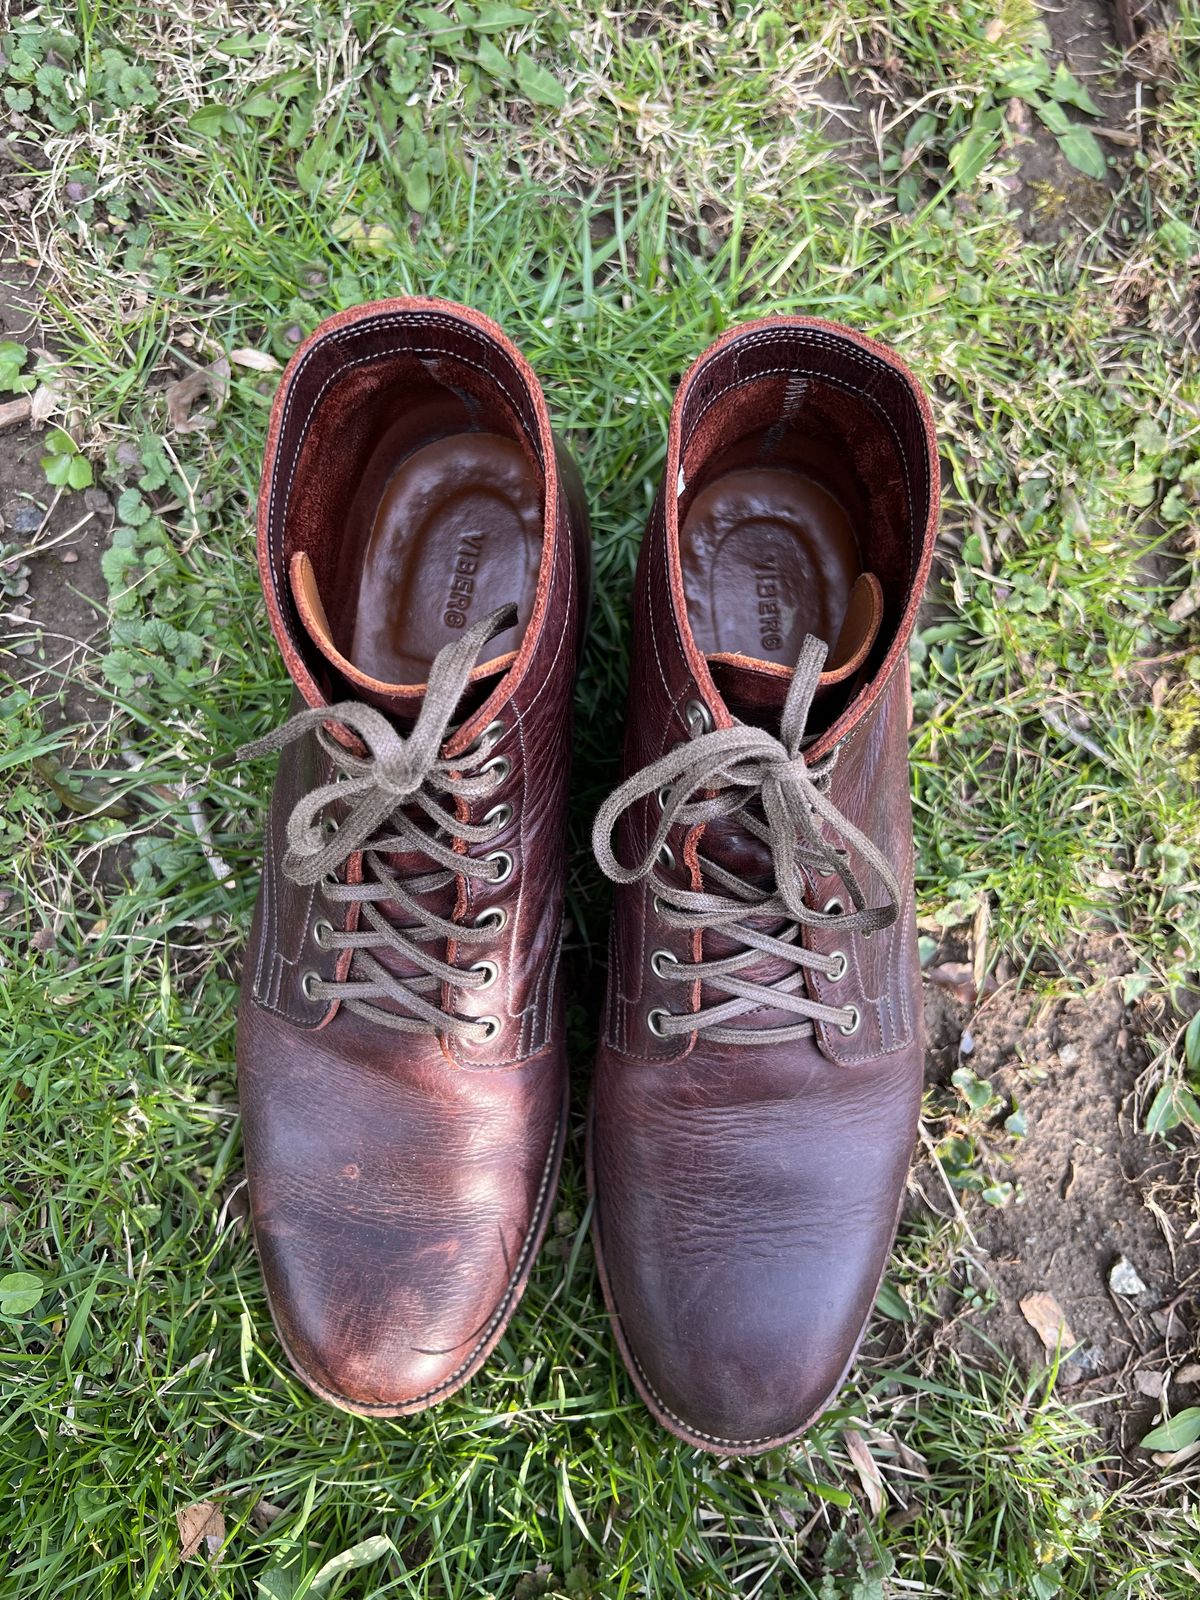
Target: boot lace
766	786
400	798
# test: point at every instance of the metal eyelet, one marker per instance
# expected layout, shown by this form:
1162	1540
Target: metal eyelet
492	1024
323	934
852	1026
663	796
491	735
329	880
331	826
490	973
839	971
306	984
699	718
506	866
500	765
653	1021
660	906
833	907
499	817
662	958
494	918
666	856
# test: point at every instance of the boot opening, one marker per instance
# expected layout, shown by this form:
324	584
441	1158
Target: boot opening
408	496
804	490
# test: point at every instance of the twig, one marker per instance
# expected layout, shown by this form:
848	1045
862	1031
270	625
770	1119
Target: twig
15	412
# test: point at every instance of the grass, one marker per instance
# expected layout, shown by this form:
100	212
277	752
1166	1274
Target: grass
215	179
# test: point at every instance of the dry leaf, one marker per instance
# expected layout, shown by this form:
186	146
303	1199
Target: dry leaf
43	403
867	1469
256	360
263	1514
957	976
1176	1458
201	1524
212	382
1189	1374
1149	1383
1045	1316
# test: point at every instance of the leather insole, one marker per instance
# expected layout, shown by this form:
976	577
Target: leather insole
456	533
769	556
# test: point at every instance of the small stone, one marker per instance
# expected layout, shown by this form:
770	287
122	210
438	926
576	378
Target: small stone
1124	1279
1148	1383
26	519
966	1044
96	499
43	939
1069	1055
68	557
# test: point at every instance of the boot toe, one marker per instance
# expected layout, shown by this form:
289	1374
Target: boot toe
377	1340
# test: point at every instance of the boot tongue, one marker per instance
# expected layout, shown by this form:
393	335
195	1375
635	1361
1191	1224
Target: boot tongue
752	688
399	700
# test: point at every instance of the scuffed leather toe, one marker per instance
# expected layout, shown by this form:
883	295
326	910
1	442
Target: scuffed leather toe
738	1229
396	1213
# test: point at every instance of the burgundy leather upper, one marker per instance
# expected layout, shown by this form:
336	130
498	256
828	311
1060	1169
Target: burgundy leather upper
399	1182
746	1195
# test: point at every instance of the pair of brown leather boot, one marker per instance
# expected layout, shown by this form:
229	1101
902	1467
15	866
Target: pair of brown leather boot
424	552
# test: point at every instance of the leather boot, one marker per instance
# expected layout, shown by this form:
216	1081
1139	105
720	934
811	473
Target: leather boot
759	1078
402	1072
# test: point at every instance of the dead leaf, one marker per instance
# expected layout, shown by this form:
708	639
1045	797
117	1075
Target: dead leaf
182	395
1189	1374
867	1469
1176	1458
1045	1316
201	1524
957	976
264	1514
1148	1383
256	360
43	403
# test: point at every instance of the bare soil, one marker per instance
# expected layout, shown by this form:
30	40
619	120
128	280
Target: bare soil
1091	1191
52	605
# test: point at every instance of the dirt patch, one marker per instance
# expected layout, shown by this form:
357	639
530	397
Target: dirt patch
1053	199
1091	1191
51	585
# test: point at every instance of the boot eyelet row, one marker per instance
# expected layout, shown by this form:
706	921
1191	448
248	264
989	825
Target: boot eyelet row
490	736
699	718
504	866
